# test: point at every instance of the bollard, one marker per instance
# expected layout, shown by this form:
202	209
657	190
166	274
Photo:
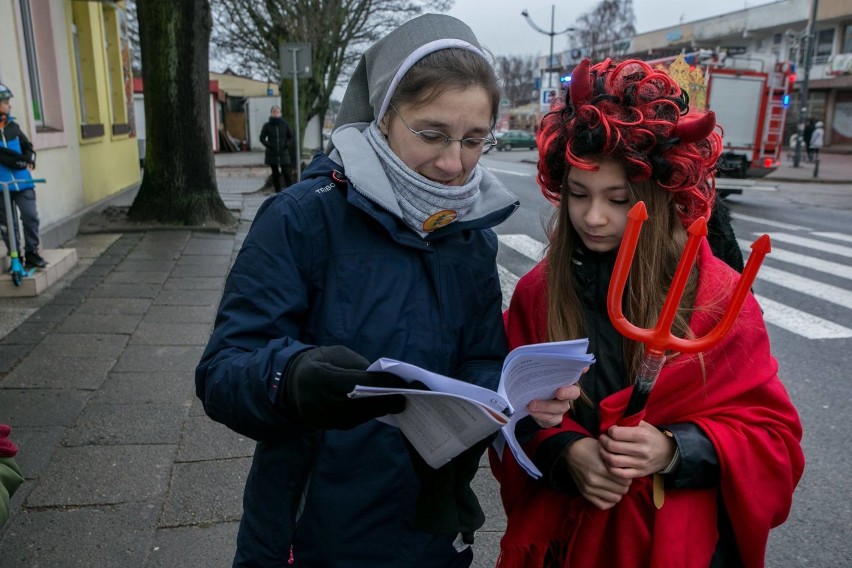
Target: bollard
816	167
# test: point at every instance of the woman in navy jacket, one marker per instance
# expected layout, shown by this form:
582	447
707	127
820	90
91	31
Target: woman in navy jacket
383	249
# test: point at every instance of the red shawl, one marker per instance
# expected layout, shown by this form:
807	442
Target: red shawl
742	407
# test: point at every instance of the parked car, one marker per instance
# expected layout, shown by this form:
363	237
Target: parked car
515	139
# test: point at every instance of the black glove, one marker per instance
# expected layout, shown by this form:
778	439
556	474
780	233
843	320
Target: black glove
319	380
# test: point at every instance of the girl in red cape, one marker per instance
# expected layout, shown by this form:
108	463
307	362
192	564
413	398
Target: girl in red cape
719	433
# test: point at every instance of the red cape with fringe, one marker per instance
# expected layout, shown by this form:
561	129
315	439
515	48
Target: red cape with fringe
742	407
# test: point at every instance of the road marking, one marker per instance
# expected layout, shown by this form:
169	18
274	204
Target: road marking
510	172
825	292
799	322
508	281
821	246
805	261
524	244
835	236
780	315
769	222
744	187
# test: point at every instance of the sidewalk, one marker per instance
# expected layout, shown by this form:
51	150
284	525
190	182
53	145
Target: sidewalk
123	467
833	168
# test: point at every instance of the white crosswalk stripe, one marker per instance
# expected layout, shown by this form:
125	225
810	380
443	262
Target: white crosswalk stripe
799	322
508	281
524	244
776	313
804	260
835	236
769	222
823	246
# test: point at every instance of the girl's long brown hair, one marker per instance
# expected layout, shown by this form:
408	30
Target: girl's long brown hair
638	116
659	249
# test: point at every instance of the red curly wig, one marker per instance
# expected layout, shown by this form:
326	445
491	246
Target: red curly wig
640	117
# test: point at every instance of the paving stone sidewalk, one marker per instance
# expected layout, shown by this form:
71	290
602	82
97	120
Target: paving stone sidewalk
122	466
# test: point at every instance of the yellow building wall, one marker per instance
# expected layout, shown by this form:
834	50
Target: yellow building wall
108	163
237	86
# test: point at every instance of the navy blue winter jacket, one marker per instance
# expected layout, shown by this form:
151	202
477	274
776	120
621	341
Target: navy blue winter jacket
324	265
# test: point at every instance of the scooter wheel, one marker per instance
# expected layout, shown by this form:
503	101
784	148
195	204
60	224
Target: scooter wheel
16	279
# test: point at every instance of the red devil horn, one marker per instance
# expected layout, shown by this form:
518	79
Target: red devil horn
580	88
696	129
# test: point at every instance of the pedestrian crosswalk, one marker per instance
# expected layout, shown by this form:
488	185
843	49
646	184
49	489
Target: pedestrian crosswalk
805	268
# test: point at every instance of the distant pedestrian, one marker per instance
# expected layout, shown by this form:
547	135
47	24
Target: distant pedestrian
277	138
17	160
794	138
806	138
817	139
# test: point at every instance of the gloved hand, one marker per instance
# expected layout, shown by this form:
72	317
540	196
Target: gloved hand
318	382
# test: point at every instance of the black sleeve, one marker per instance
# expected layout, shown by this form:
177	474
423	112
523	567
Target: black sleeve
548	459
721	237
699	464
26	148
11	159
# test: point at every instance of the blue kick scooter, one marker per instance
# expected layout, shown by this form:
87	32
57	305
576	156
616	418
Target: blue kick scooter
16	269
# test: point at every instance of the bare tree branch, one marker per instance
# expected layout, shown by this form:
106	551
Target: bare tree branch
247	34
605	31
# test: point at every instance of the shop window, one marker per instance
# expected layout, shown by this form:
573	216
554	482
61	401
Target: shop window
115	39
847	39
42	78
91	122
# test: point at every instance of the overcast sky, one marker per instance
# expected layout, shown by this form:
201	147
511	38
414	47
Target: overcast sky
500	27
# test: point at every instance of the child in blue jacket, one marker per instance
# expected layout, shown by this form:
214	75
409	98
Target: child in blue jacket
17	160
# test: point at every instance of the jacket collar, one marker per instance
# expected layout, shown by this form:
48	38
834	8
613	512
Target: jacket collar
367	176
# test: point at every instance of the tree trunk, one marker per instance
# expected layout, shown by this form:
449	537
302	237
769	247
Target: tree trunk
179	184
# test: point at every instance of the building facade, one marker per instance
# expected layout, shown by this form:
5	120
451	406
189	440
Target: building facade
771	32
68	64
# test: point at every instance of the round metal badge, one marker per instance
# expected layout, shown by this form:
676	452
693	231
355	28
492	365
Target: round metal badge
439	219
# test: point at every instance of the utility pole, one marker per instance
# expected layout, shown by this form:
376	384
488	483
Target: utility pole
803	95
550	33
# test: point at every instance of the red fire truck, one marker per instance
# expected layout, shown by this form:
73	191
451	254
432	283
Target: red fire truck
750	96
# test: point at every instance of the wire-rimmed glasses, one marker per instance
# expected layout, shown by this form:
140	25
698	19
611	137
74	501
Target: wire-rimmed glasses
435	138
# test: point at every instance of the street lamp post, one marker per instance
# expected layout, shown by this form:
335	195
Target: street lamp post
550	33
810	39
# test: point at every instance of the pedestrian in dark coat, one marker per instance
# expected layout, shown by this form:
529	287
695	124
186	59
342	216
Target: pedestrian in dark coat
277	138
809	132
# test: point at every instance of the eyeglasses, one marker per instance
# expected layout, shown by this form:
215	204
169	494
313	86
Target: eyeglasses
435	138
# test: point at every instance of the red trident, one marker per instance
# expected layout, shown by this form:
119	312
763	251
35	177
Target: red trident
660	339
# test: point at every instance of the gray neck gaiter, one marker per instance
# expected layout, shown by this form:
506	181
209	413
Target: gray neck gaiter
426	205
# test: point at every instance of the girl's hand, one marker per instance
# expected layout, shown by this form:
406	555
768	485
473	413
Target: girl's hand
635	451
549	413
590	474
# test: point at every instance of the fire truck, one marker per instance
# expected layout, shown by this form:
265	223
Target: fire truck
749	95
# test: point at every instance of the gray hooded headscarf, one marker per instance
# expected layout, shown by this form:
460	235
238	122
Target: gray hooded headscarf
370	164
383	65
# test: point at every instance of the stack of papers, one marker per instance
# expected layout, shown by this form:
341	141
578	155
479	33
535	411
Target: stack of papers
442	422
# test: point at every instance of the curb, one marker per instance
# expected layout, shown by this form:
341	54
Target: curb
771	179
809	180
